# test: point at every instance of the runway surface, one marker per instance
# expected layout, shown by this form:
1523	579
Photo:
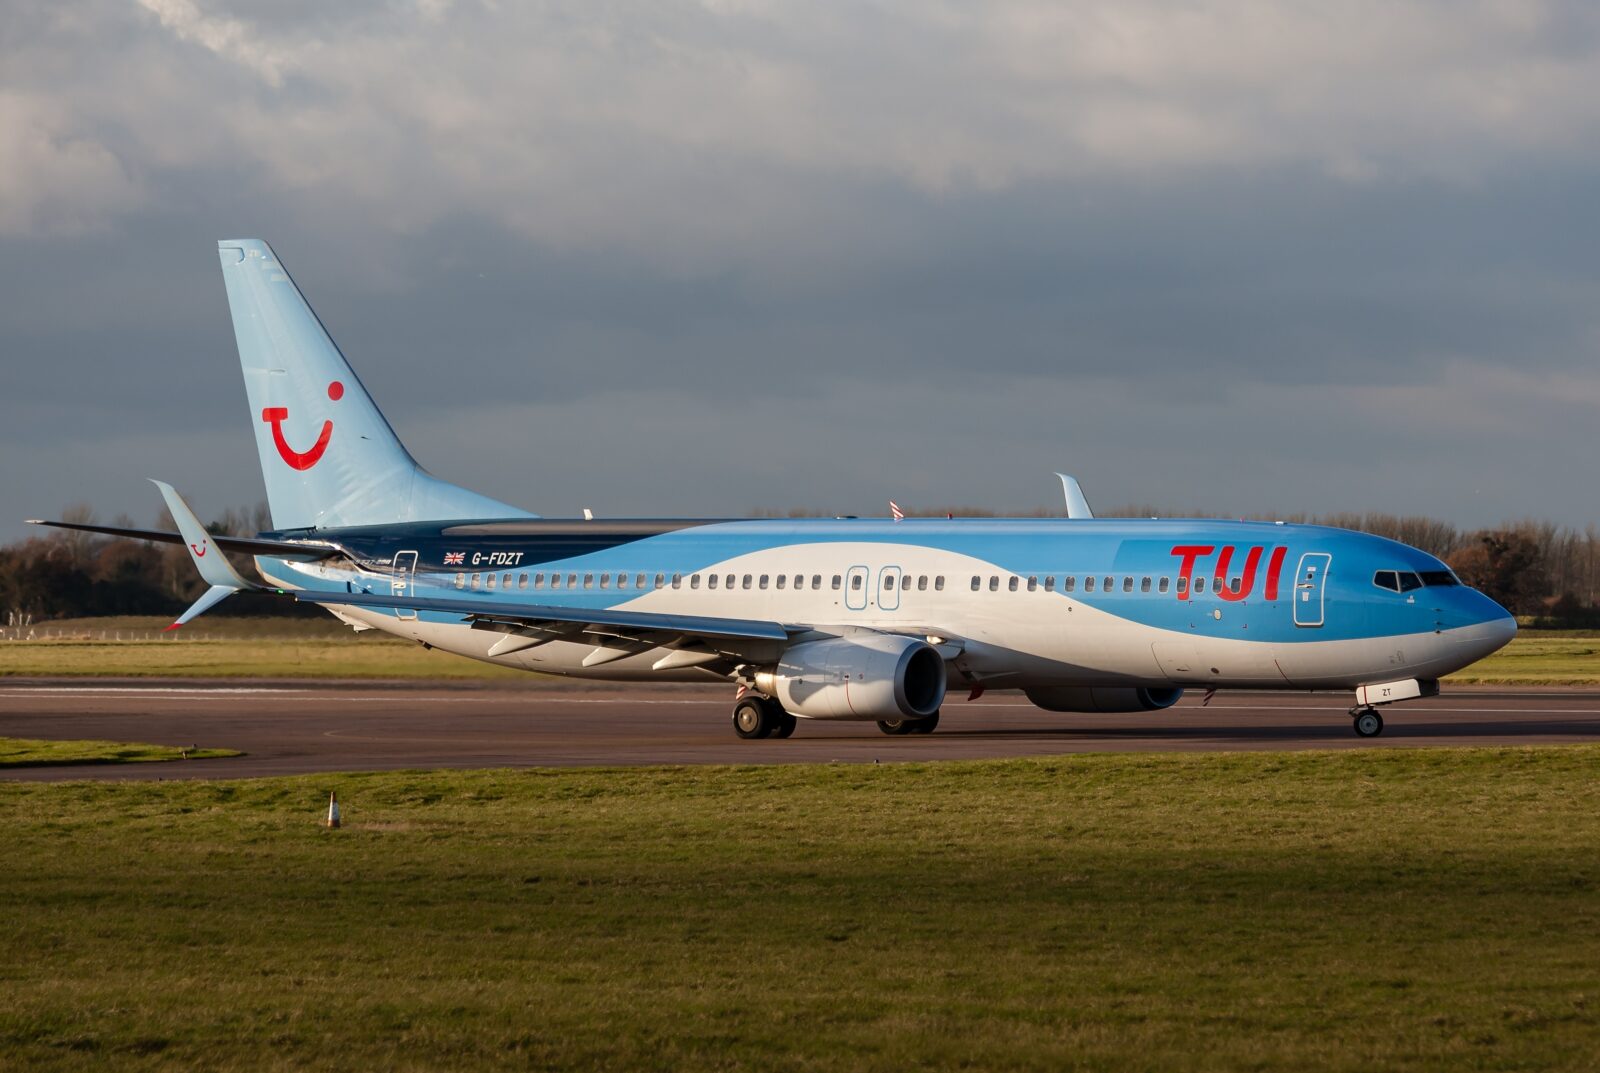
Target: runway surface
295	728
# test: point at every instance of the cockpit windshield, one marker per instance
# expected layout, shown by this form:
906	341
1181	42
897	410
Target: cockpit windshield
1406	580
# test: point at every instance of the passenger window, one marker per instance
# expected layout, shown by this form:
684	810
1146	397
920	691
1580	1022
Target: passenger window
1162	586
1409	581
538	581
475	579
1088	584
816	581
1144	585
572	581
728	582
977	582
694	581
1050	583
505	582
1235	584
661	580
800	581
522	581
994	584
1183	585
1127	584
1386	579
922	582
1069	583
588	581
461	581
836	582
555	581
489	581
1199	584
781	579
605	581
855	583
1033	583
746	581
1106	587
711	581
622	581
938	583
888	582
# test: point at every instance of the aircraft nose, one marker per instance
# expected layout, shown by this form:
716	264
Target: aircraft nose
1488	635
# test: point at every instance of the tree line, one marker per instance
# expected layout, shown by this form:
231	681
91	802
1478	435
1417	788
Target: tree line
1533	568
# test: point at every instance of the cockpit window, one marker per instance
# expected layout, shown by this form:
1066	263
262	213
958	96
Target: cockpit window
1387	579
1434	578
1409	581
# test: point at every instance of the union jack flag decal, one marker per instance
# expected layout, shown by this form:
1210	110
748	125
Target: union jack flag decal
455	558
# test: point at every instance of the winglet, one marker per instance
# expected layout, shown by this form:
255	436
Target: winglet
213	565
1077	505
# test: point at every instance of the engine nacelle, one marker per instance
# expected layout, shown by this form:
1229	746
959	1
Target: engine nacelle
863	676
1103	698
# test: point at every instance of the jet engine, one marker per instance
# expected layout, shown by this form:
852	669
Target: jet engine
862	676
1103	698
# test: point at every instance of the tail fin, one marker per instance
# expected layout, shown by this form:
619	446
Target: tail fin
328	456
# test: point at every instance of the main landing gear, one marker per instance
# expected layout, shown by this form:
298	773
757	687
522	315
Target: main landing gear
762	717
909	726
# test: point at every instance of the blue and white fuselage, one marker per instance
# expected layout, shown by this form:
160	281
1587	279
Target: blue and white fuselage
1035	604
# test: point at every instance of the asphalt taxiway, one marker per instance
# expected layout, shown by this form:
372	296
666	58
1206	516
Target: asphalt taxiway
289	728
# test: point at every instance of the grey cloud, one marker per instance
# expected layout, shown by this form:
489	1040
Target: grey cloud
1231	255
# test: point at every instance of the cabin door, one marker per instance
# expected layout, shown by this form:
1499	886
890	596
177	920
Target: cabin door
403	581
1310	586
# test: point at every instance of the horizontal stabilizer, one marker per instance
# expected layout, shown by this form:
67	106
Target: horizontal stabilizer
278	549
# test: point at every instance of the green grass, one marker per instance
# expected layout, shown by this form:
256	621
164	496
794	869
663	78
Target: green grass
1540	658
268	657
1373	909
297	648
29	752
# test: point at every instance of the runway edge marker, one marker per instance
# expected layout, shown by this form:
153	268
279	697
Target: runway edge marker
333	809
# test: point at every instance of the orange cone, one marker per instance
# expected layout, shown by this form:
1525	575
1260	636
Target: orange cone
333	809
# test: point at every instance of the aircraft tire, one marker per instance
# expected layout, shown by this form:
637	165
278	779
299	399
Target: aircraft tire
895	726
785	724
926	726
1368	723
752	718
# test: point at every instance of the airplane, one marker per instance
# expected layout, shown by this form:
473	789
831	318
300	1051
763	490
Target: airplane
818	619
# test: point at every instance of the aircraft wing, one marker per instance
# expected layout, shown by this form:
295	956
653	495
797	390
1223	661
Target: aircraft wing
693	639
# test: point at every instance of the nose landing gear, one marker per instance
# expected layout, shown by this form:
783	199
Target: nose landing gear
1368	723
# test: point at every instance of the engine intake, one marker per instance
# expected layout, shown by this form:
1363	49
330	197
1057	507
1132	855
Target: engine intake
866	676
1103	698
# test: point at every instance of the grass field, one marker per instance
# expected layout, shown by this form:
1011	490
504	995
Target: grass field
297	648
1394	909
29	752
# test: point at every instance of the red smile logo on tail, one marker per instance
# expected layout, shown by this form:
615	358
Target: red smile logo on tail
276	415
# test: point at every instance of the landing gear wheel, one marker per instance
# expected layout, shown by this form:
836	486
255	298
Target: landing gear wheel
753	718
909	726
1368	723
785	725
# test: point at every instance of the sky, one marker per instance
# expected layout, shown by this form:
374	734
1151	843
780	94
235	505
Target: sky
733	256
